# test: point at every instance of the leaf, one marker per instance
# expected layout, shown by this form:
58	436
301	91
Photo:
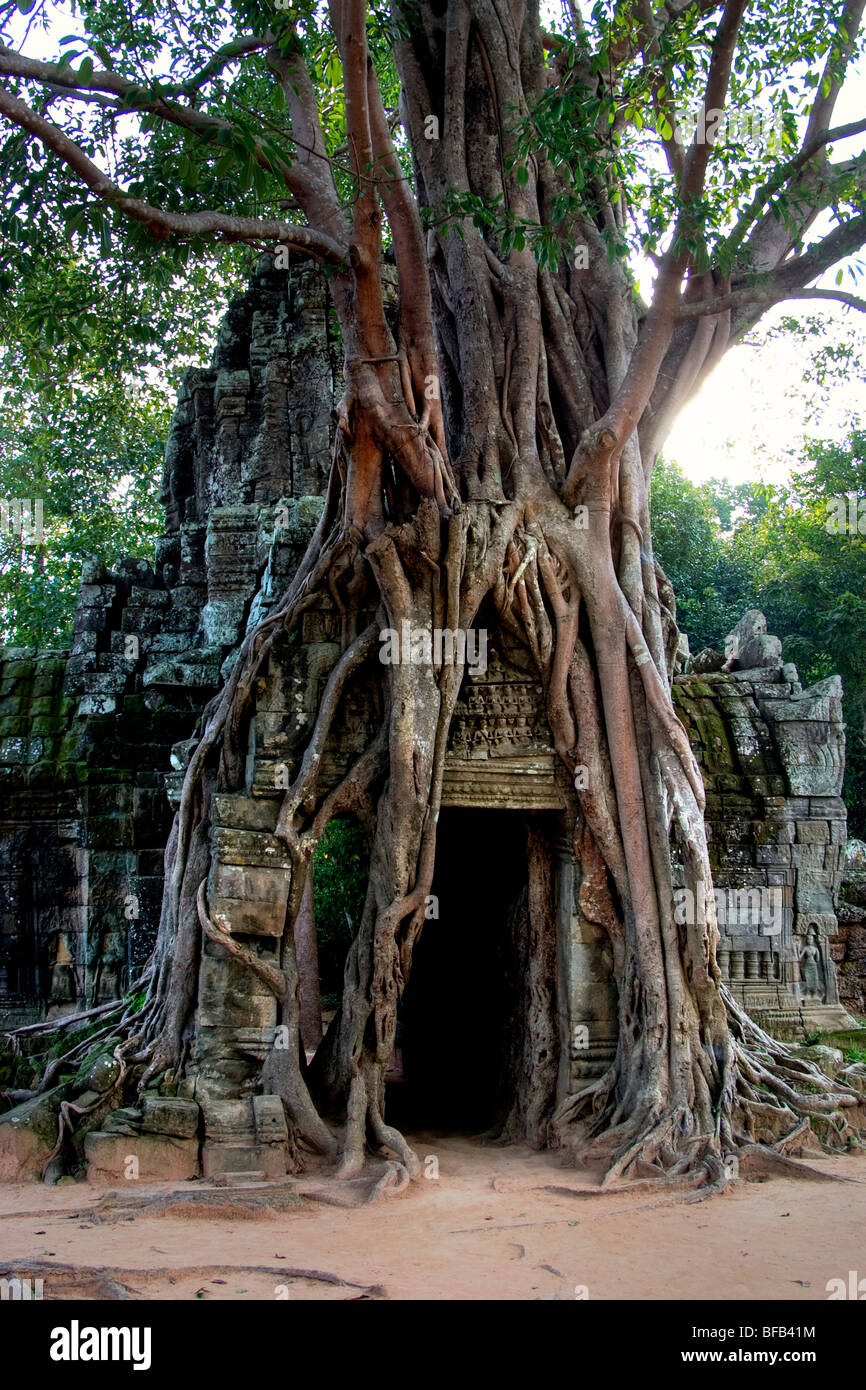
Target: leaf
225	164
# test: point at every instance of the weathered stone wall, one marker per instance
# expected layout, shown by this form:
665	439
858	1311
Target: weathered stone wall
772	758
86	735
82	832
848	945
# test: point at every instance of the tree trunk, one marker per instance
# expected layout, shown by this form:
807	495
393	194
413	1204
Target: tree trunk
490	450
307	951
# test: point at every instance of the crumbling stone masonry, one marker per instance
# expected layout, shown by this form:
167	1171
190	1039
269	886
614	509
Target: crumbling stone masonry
848	945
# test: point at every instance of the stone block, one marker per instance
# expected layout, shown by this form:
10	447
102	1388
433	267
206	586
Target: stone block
28	1133
270	1120
165	1115
97	704
91	620
248	918
827	808
269	1161
141	621
772	854
96	595
245	813
813	895
229	1121
140	597
813	832
250	848
252	885
104	682
230	996
807	856
158	1158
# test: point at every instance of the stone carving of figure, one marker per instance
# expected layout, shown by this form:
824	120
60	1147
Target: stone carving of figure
62	988
112	969
812	967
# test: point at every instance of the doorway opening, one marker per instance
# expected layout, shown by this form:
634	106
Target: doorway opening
458	1013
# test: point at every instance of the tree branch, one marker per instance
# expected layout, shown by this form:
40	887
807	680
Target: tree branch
852	300
349	18
132	98
237	48
319	194
301	239
630	400
724	44
788	281
782	176
834	70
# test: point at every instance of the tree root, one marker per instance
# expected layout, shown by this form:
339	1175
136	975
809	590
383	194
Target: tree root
111	1282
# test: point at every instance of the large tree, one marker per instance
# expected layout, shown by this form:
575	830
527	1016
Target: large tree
495	447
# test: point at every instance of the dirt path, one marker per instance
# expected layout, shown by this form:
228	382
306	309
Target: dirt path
485	1228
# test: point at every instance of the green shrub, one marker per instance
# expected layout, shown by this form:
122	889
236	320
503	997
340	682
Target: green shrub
341	868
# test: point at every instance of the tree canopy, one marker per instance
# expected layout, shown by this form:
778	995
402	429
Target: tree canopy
148	130
144	116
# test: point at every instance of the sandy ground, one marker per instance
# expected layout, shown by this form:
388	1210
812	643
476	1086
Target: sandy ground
489	1227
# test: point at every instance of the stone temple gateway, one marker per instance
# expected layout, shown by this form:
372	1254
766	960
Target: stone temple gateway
93	742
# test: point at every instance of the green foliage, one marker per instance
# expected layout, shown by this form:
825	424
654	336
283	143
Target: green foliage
810	580
341	868
95	460
689	524
775	548
98	318
603	124
86	399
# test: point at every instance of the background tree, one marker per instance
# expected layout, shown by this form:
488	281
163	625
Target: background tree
494	450
691	540
779	549
809	576
87	394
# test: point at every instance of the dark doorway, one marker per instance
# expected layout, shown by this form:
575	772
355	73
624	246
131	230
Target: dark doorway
461	1002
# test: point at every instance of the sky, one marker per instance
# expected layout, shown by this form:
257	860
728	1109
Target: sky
748	421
